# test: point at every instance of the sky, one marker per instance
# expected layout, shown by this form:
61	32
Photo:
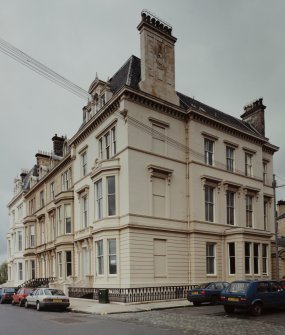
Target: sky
228	53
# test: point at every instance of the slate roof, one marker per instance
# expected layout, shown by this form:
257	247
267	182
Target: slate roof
130	75
27	178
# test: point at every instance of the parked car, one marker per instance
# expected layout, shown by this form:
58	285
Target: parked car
6	294
282	283
47	298
253	296
20	296
208	292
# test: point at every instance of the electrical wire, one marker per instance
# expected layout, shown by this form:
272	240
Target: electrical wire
41	69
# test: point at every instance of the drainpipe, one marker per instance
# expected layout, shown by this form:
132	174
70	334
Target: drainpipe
188	198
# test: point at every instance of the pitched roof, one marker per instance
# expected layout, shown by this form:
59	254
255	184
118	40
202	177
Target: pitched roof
130	74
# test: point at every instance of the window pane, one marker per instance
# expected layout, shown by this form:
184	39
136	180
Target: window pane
112	256
111	195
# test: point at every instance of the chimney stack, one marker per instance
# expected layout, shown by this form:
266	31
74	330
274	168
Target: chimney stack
281	207
157	58
58	145
254	115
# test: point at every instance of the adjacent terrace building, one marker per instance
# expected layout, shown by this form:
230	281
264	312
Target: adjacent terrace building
155	189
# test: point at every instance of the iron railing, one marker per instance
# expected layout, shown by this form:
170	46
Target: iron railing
37	282
138	294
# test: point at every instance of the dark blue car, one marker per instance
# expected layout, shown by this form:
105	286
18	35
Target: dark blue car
209	292
253	296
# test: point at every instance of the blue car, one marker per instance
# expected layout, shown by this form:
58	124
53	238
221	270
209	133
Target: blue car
253	296
208	292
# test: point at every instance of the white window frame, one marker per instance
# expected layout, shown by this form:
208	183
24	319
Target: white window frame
249	210
66	218
211	259
248	164
68	263
20	240
209	146
84	164
209	203
59	265
230	152
20	271
256	258
111	195
232	257
247	258
51	190
84	201
230	208
112	257
264	259
99	247
99	199
108	143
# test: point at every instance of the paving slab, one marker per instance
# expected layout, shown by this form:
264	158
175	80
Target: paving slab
94	307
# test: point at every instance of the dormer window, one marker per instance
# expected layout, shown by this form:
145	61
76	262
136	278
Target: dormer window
102	100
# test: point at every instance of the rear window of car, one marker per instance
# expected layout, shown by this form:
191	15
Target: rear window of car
238	287
9	290
28	291
205	285
53	292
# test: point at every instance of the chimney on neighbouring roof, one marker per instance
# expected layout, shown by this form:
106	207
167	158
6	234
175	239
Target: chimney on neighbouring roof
23	174
58	145
254	115
281	207
157	58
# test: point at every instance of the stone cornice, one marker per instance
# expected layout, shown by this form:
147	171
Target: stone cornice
154	103
113	104
95	121
270	148
15	198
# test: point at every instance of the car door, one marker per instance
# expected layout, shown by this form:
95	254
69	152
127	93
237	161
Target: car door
263	293
277	294
33	297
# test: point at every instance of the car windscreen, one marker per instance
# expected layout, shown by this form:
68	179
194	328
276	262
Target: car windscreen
53	292
237	287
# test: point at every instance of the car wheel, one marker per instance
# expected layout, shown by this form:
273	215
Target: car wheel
38	306
214	299
26	304
196	303
256	309
229	309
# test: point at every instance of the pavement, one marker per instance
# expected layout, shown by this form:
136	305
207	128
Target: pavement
89	306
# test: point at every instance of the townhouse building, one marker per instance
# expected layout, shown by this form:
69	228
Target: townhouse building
155	189
15	236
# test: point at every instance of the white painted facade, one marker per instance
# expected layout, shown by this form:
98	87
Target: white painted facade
161	192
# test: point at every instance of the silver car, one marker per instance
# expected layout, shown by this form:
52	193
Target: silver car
45	297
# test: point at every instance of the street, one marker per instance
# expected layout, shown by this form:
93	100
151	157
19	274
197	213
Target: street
201	320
